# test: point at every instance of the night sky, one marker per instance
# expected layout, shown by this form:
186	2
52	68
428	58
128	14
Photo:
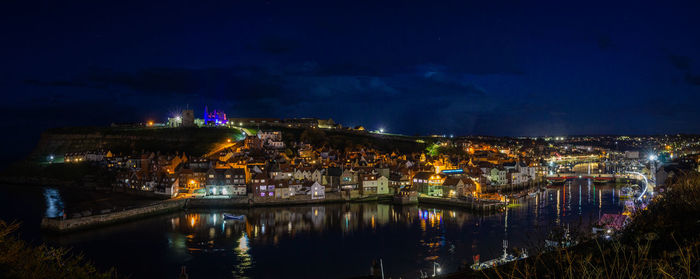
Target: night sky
413	67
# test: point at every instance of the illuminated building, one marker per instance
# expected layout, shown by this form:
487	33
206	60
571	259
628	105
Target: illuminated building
428	183
214	117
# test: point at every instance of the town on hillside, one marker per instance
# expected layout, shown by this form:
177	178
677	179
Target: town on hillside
265	166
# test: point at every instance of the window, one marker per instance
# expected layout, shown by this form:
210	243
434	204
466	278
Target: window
228	176
211	176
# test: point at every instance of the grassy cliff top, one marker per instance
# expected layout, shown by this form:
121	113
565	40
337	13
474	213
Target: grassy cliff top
193	141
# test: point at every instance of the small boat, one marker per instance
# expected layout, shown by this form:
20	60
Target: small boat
504	259
228	216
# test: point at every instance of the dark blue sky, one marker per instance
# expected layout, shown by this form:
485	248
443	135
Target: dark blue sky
496	68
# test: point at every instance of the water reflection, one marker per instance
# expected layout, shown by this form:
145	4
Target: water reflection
54	203
279	242
244	260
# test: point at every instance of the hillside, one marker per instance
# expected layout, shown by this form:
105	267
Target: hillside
194	141
198	141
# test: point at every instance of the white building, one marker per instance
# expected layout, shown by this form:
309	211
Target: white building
375	184
317	191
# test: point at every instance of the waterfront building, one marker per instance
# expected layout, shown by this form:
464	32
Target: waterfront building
398	181
349	180
262	186
375	184
167	185
317	191
450	185
428	183
225	182
282	190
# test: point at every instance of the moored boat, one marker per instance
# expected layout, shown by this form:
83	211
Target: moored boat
504	259
229	216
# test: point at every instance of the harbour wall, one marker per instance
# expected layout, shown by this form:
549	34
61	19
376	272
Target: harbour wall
473	205
65	225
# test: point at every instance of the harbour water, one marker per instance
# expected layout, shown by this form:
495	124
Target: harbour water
323	241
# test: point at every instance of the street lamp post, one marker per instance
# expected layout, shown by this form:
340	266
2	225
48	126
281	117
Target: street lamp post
436	269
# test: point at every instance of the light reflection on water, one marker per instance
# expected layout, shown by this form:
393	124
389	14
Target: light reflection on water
341	240
54	203
406	238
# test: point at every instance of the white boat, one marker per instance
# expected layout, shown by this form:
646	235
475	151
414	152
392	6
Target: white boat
229	216
504	259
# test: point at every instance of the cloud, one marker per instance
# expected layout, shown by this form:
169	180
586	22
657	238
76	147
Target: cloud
305	90
692	79
680	62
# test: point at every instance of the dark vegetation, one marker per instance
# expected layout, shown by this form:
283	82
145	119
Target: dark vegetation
19	259
194	141
346	140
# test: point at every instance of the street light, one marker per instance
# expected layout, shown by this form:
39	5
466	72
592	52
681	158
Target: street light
652	157
436	269
381	130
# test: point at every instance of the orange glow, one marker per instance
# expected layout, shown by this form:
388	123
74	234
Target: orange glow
150	123
193	220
